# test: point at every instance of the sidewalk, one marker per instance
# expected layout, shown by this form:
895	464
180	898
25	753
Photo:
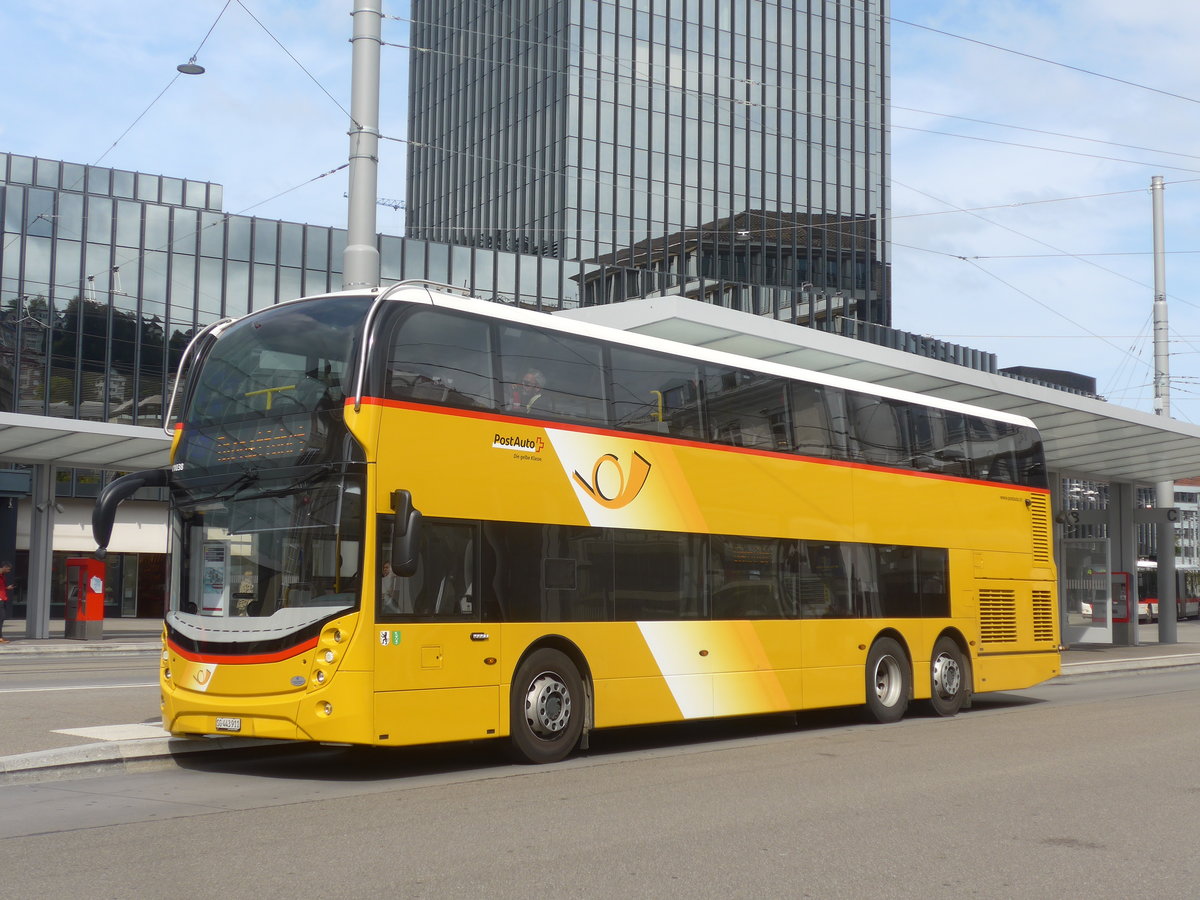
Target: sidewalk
122	747
128	635
108	748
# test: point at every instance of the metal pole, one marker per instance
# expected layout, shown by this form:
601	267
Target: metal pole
1165	490
360	261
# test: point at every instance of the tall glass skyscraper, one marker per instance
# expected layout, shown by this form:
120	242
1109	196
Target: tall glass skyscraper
730	150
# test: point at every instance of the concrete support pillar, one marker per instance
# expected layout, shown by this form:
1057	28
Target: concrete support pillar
41	553
1168	632
1122	532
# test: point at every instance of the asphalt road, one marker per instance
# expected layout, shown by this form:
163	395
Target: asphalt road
1068	790
74	691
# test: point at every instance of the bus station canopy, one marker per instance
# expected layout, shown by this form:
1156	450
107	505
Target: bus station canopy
1084	437
74	443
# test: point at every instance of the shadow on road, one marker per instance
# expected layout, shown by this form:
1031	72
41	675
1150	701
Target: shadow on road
316	762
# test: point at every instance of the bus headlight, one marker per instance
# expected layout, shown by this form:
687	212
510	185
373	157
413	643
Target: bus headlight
319	677
329	656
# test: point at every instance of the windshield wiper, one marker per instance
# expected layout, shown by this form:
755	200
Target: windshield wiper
244	483
235	487
299	481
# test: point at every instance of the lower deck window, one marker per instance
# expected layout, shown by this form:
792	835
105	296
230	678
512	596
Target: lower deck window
521	572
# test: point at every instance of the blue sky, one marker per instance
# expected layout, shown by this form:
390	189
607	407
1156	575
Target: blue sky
1051	267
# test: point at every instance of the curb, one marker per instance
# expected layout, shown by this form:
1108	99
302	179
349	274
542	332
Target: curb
32	646
140	755
1131	664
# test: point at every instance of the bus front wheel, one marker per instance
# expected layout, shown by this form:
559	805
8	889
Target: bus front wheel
547	707
949	678
888	681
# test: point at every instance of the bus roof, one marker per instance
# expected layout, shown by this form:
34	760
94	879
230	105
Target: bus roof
448	297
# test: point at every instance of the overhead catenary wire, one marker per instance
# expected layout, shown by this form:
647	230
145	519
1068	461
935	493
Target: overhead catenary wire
1045	60
1061	134
738	84
170	83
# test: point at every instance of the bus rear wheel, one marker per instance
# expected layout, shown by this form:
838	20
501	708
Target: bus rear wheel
546	708
949	678
889	681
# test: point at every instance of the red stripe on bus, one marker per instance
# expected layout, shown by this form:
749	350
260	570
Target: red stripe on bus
681	442
243	659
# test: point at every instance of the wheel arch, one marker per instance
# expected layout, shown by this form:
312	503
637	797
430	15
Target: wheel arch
952	633
899	639
571	650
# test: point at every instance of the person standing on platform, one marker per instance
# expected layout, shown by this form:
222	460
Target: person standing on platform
5	568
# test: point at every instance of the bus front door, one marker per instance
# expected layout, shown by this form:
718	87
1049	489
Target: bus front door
437	676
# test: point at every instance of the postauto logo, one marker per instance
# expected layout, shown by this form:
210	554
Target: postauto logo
518	443
612	484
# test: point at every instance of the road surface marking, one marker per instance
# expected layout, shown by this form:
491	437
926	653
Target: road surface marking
116	732
76	687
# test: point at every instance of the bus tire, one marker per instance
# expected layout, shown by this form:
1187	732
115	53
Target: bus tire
889	681
546	708
949	678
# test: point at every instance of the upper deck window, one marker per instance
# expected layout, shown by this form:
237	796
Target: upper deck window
653	392
438	357
545	373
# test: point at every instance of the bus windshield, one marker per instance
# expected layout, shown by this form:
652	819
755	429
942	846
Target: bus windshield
270	392
267	484
286	546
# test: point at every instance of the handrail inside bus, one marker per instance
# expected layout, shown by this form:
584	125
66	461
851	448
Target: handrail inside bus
369	323
220	324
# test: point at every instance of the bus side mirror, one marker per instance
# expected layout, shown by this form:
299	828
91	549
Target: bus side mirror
104	513
406	534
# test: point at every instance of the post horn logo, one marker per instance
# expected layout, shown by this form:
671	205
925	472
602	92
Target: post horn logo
628	485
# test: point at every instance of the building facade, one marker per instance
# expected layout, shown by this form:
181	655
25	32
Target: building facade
733	152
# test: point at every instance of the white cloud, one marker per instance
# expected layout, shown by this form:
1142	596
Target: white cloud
1088	314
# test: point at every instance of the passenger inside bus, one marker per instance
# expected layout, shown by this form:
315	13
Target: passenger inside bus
529	390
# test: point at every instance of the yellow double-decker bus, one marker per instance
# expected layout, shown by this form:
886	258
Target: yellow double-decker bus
406	516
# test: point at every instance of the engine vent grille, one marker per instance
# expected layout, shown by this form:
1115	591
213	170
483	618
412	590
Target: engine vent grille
1040	528
997	617
1043	616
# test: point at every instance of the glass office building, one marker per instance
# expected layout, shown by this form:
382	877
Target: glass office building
734	151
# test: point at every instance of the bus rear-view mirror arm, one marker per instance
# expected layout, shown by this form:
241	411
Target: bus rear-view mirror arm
114	494
406	534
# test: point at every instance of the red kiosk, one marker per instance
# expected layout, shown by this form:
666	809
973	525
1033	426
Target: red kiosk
1120	598
84	608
